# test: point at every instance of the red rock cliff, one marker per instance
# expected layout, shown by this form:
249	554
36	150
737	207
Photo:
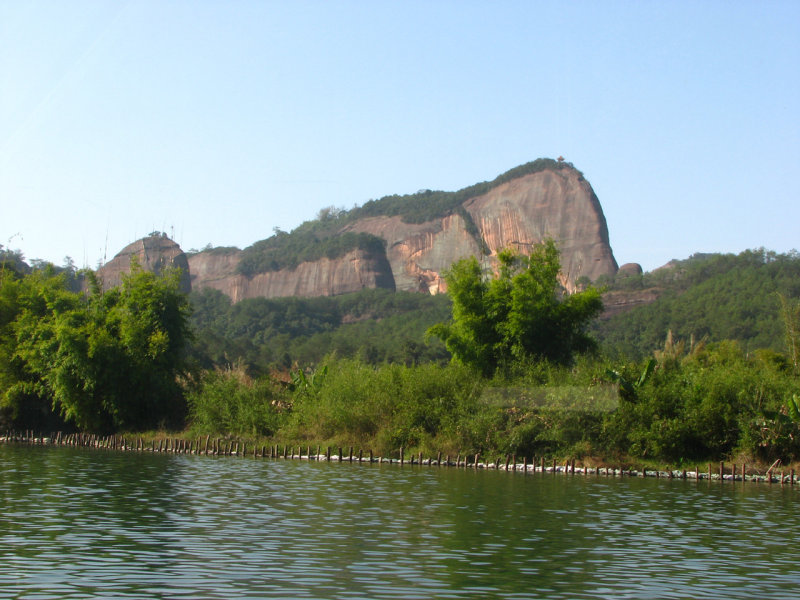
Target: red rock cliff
352	272
154	253
556	202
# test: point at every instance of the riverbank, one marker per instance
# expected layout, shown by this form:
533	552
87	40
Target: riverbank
206	446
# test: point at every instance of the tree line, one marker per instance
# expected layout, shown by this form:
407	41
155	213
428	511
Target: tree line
508	362
714	296
98	361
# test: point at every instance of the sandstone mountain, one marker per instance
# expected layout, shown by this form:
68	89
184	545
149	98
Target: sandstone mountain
351	272
154	253
405	242
554	202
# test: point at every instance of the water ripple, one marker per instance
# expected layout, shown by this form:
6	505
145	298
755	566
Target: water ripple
78	523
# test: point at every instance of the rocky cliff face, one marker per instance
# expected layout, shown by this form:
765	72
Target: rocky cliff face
419	253
620	301
554	202
557	204
352	272
154	253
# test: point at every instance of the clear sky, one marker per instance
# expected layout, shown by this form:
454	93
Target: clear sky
217	121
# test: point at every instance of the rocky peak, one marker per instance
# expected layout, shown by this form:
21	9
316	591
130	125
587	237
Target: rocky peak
553	203
154	253
416	238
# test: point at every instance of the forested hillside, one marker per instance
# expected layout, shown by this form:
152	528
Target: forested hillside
712	296
358	369
707	296
265	334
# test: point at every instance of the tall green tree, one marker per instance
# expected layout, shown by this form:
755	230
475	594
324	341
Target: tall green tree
104	360
523	313
19	403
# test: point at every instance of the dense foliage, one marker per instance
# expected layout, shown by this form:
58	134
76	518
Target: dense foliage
717	297
690	400
232	402
273	334
354	370
101	361
707	403
287	250
523	314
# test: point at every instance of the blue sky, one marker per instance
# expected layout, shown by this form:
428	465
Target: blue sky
218	121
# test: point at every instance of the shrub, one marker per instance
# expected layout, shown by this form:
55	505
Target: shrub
230	402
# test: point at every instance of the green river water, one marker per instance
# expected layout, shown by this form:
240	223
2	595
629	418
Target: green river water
79	523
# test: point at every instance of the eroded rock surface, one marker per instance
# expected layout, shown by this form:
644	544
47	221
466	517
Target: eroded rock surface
153	253
555	203
352	272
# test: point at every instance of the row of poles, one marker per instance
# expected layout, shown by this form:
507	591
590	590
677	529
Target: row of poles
509	462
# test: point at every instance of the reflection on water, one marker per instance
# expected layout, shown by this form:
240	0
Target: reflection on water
80	523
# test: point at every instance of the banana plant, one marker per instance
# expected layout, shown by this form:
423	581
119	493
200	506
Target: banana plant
629	390
793	408
304	384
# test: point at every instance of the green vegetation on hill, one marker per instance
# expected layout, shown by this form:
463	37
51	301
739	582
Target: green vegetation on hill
427	205
712	296
323	237
304	244
214	250
353	370
264	334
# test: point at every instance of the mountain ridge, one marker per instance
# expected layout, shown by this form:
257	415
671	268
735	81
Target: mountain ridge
405	243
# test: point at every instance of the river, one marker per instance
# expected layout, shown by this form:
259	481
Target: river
80	523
